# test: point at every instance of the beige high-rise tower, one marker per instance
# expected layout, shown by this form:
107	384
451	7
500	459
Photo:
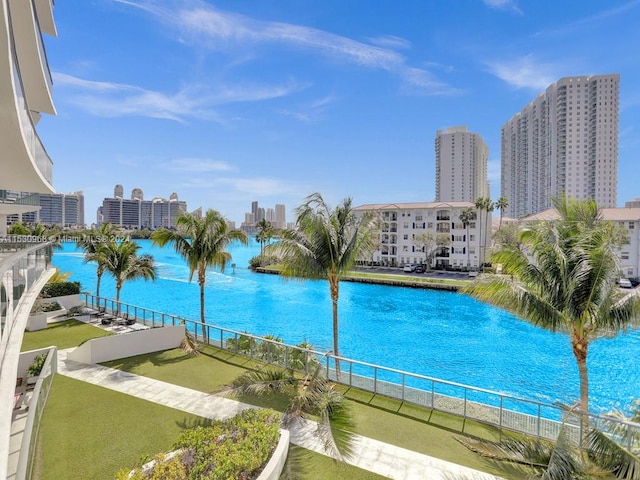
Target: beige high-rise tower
564	142
461	165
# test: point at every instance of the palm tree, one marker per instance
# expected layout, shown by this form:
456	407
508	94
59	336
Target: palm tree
91	245
501	204
326	245
565	280
466	215
265	233
122	261
482	204
202	242
311	396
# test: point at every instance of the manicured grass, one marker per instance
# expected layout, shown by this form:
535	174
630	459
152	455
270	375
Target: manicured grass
408	426
92	432
408	279
65	334
307	465
85	421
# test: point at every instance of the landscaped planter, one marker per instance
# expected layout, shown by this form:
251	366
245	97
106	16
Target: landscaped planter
271	471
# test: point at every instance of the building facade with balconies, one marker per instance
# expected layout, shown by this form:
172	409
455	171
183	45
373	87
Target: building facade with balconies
399	239
25	173
565	142
461	165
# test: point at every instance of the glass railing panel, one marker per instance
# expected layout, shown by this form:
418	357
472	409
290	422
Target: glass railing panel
31	139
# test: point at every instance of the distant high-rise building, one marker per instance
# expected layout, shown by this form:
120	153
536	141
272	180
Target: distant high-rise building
139	213
461	165
565	142
118	191
260	215
270	215
136	194
281	216
62	209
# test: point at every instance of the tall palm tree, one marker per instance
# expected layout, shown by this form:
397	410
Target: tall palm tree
202	242
326	245
265	233
565	280
91	244
122	261
466	215
483	205
501	204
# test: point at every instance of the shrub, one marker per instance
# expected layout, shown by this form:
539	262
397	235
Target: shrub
45	307
60	289
36	366
236	448
262	261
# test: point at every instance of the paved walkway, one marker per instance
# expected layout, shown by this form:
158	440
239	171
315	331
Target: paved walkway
372	455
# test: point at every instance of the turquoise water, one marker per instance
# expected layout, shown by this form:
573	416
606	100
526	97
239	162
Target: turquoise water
438	334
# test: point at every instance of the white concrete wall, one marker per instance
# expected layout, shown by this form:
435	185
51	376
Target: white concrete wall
273	468
125	345
67	302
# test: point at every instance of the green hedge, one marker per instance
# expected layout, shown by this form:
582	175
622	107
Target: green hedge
235	449
60	289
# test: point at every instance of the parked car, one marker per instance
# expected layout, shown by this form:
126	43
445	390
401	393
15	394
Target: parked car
420	269
473	273
409	268
624	283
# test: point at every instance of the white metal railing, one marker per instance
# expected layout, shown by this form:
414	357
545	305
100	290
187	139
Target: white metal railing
498	409
36	408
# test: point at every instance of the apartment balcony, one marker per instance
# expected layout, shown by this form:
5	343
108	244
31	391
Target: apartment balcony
24	269
32	57
443	217
26	164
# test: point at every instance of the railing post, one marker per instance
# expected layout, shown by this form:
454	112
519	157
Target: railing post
350	374
403	385
464	415
538	429
375	379
501	408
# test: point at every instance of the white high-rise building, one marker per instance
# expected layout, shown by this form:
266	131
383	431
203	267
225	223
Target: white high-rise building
565	142
461	165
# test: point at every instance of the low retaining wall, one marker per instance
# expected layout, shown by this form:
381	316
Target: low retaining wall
126	345
273	468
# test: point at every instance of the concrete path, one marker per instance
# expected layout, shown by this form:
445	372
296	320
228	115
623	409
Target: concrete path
372	455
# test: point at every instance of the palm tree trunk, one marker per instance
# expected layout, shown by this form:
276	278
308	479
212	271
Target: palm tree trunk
99	277
468	262
118	288
334	283
580	348
202	281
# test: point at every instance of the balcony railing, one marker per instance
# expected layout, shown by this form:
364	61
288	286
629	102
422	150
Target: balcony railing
504	411
31	138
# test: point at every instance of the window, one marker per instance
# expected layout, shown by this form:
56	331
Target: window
405	236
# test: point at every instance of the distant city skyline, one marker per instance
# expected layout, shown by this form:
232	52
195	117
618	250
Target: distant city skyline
332	97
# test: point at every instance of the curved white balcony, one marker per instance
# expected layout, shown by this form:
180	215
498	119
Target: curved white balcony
26	165
32	57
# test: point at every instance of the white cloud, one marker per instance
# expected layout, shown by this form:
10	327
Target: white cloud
201	23
503	5
309	112
197	165
390	41
107	99
525	72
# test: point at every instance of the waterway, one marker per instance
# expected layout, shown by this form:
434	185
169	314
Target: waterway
440	334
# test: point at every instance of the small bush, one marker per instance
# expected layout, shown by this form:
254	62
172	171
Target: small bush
262	261
60	289
45	307
36	366
235	449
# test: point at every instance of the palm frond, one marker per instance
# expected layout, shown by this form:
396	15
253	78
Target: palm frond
610	455
260	382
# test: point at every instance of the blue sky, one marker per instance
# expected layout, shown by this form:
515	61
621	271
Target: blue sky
226	102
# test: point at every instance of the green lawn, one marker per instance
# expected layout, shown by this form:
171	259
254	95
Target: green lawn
84	426
415	428
65	334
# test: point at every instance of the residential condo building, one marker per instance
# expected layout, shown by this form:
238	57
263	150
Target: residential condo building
628	219
65	210
138	213
450	244
565	142
461	165
25	263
